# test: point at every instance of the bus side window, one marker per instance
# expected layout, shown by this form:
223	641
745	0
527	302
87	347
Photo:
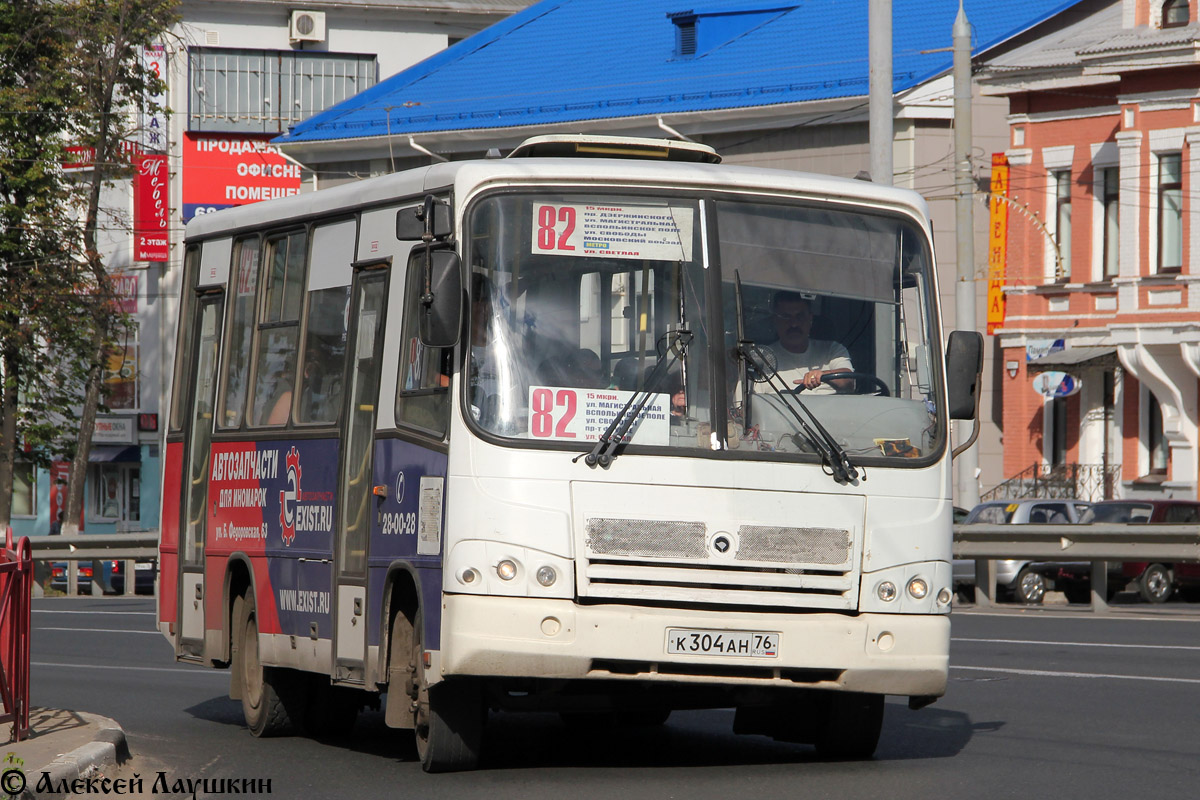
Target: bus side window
244	280
326	314
422	393
279	329
181	385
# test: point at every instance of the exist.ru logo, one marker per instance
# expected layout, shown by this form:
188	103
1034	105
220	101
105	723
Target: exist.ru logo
288	497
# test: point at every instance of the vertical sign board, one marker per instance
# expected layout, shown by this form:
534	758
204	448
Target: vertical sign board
154	104
225	170
997	242
150	211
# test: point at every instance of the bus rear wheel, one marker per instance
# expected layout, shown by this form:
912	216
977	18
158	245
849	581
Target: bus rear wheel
265	691
448	716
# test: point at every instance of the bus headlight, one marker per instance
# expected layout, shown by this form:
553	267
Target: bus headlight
944	597
507	570
468	576
918	588
546	575
886	591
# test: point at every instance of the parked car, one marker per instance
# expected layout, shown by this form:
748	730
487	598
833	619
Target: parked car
113	580
1025	581
1155	581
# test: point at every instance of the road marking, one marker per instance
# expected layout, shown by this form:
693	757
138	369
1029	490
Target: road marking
97	630
118	613
1041	673
1081	644
193	670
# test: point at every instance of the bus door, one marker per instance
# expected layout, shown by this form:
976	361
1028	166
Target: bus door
206	347
367	320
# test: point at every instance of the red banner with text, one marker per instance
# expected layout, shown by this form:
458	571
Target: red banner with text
150	210
224	170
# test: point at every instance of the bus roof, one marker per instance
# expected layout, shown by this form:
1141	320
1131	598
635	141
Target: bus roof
465	176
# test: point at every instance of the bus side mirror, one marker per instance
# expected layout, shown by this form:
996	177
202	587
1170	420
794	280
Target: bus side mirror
431	217
964	373
441	306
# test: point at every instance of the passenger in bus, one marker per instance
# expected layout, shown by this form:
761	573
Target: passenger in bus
801	361
584	370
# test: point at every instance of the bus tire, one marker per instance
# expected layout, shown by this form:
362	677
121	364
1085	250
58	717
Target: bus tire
268	704
449	717
849	726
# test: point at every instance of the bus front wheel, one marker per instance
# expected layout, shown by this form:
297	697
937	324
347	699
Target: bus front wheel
448	716
264	690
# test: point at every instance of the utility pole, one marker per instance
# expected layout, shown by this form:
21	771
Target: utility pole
879	52
964	197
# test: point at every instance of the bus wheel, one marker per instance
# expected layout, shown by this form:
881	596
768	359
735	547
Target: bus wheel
849	726
449	716
263	705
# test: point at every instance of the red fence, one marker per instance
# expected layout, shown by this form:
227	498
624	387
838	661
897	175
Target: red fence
16	590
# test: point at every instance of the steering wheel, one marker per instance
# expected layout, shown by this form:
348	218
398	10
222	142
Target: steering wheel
875	386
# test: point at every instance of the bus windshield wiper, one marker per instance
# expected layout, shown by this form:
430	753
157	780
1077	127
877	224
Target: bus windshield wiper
604	451
832	454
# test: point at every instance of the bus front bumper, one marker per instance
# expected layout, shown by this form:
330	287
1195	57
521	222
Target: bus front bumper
896	654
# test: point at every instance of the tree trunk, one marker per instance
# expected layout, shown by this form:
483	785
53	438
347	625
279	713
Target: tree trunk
87	425
8	435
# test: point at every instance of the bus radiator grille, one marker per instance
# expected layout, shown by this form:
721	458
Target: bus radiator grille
826	546
646	538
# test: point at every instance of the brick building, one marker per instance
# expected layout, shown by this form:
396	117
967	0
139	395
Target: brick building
1101	293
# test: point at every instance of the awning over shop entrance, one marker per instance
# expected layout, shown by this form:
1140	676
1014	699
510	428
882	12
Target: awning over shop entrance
114	452
1076	358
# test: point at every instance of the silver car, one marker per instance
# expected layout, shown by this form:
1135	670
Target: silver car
1024	581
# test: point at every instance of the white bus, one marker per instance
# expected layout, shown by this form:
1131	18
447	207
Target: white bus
553	432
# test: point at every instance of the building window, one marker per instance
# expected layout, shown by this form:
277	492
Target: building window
24	493
1062	220
1156	440
1170	212
265	91
1058	431
1111	225
114	493
1175	13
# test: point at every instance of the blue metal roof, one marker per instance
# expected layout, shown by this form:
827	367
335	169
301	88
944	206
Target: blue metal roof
571	60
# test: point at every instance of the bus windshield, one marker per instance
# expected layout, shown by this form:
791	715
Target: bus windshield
575	298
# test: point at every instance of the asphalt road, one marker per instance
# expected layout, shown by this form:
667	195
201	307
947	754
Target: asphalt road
1059	704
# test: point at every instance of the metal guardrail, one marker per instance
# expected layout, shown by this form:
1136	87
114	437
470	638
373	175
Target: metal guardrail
1096	543
126	547
16	588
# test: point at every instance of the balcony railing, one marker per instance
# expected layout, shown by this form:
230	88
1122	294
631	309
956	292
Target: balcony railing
1089	482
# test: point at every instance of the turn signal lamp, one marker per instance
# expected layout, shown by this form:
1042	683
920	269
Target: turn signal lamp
886	591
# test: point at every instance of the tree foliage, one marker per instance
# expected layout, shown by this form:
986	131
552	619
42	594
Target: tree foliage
43	330
71	73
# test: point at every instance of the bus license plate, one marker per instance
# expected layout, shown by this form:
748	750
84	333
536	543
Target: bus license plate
751	644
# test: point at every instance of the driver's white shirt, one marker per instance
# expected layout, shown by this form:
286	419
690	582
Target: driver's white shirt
821	354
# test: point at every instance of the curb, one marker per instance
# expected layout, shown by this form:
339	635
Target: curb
108	747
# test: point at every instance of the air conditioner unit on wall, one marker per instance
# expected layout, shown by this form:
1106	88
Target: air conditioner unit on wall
307	26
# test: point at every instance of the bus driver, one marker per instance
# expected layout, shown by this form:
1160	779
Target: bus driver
802	361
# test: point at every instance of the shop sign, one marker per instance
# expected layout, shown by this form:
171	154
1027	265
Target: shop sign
1040	348
114	430
150	209
1056	384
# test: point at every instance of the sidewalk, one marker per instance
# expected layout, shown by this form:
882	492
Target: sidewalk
62	744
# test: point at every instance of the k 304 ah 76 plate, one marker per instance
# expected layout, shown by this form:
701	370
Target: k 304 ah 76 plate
746	644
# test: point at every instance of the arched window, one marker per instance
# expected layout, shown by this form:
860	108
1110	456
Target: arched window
1175	13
